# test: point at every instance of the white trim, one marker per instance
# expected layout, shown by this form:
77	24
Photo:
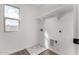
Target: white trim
56	51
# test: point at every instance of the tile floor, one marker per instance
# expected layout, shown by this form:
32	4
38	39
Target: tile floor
35	50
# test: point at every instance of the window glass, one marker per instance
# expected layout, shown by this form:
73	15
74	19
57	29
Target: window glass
10	22
11	25
11	12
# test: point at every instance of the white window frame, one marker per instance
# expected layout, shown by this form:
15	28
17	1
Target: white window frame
11	18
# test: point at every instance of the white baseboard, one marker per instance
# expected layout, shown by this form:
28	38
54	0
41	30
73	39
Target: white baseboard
56	51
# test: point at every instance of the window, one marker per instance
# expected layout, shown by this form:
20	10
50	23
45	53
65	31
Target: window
11	16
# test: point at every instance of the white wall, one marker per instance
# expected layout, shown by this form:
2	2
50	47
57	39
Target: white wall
27	35
77	26
45	8
65	38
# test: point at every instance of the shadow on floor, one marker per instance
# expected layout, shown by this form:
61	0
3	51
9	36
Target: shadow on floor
21	52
